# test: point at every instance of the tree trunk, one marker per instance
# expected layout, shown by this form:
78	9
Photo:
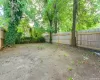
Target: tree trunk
75	5
55	19
51	31
30	32
50	22
56	26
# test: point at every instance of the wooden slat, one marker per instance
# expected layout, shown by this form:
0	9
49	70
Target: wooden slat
89	33
84	39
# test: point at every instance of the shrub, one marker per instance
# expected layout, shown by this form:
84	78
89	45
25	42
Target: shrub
31	40
26	40
18	38
40	39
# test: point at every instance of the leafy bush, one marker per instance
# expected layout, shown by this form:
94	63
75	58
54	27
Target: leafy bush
29	34
38	31
18	38
40	39
26	40
31	40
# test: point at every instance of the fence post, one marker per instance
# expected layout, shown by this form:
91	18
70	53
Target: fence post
1	38
76	35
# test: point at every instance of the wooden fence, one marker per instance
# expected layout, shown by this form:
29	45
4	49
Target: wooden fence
88	39
1	38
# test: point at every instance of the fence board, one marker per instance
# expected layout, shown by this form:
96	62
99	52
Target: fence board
88	39
1	38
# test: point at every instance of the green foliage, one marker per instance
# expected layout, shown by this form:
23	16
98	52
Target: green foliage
12	11
18	38
38	34
30	40
24	26
49	29
70	78
87	17
43	14
38	31
35	33
39	39
70	69
27	40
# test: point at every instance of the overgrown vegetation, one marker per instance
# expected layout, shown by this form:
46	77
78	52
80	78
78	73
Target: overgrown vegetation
12	11
29	34
28	19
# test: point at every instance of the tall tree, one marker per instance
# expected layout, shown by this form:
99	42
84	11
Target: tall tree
75	6
55	16
49	14
12	11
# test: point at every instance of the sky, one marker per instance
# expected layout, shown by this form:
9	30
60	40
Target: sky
1	11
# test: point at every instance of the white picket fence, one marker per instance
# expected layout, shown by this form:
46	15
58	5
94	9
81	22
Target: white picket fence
88	38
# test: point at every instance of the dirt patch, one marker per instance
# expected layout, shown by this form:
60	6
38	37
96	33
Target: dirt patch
48	62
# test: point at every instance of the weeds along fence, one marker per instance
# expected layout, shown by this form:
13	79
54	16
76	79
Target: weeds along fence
1	38
87	39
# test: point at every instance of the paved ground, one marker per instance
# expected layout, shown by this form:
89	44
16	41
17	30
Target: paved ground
48	62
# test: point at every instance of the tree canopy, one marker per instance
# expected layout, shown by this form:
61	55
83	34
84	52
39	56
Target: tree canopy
51	15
